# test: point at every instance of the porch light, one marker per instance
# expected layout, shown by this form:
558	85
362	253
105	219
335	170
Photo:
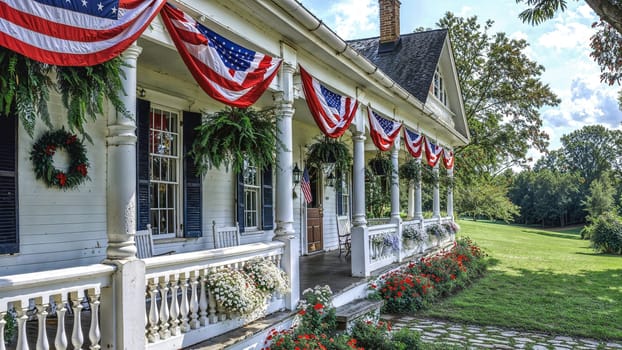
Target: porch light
331	180
296	174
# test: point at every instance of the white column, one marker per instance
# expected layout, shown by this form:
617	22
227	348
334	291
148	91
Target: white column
123	304
284	205
436	206
450	194
360	235
121	169
418	208
395	182
411	199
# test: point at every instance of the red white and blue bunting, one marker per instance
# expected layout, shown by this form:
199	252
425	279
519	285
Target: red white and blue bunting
74	32
383	131
432	152
413	142
333	113
226	71
448	159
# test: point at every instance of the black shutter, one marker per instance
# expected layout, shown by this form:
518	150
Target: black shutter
240	202
192	182
9	242
267	209
143	114
339	192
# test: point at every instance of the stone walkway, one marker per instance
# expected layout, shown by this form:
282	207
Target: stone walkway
484	337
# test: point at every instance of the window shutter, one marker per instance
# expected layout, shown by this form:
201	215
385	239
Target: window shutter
9	242
143	109
339	193
192	182
240	202
267	211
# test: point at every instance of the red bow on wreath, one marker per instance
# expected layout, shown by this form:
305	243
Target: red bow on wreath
62	179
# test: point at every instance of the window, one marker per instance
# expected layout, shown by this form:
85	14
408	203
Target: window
343	195
438	87
254	199
164	170
168	189
9	242
252	194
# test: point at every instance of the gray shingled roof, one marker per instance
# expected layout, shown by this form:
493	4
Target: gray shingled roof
411	63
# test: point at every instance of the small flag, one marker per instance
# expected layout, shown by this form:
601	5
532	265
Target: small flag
448	159
414	142
305	186
432	152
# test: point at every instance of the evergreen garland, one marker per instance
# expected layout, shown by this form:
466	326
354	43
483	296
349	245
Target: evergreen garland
42	157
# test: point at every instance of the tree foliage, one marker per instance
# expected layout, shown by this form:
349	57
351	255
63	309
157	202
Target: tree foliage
502	94
600	199
486	199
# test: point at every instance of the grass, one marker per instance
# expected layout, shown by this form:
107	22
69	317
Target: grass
545	281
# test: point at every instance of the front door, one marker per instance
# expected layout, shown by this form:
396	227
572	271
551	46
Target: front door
314	230
314	215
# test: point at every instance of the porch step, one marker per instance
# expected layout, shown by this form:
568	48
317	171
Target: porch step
347	314
252	333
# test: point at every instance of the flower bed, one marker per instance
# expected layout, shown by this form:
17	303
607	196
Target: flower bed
419	283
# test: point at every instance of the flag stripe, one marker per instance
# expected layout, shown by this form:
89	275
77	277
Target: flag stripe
332	112
65	37
432	152
383	131
226	71
448	159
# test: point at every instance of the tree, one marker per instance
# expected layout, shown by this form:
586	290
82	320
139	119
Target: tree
606	44
502	94
486	199
600	199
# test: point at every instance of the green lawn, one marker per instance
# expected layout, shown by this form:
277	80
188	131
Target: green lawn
540	280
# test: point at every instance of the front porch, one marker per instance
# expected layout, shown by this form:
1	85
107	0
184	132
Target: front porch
60	309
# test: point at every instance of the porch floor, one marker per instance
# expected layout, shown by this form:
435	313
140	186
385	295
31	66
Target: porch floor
327	268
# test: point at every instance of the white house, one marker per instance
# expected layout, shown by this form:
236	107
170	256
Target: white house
58	246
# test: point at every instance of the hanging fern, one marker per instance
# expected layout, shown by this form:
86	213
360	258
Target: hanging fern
24	86
83	90
411	170
25	89
234	136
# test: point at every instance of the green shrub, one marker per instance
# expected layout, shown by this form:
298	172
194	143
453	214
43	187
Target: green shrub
607	234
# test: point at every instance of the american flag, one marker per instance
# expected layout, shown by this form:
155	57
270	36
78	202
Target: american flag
414	142
448	159
332	112
74	32
305	186
383	131
432	152
226	71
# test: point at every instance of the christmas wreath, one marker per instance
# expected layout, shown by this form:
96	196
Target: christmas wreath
42	156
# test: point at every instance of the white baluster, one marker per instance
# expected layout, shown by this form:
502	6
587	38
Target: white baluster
2	325
203	300
60	341
165	332
77	338
42	314
175	330
94	331
153	334
22	340
194	303
213	317
185	308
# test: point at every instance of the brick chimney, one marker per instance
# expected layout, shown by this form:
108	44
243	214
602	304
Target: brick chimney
389	20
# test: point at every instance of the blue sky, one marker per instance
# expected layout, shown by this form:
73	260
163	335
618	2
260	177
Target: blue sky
561	45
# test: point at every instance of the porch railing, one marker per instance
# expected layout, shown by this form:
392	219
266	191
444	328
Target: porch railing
180	309
54	297
384	245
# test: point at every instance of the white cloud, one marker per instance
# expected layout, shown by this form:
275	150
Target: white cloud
567	36
355	18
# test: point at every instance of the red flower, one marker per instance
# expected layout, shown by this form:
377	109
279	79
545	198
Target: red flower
302	312
452	276
318	306
50	150
62	178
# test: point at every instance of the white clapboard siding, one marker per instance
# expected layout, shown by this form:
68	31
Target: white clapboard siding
329	206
